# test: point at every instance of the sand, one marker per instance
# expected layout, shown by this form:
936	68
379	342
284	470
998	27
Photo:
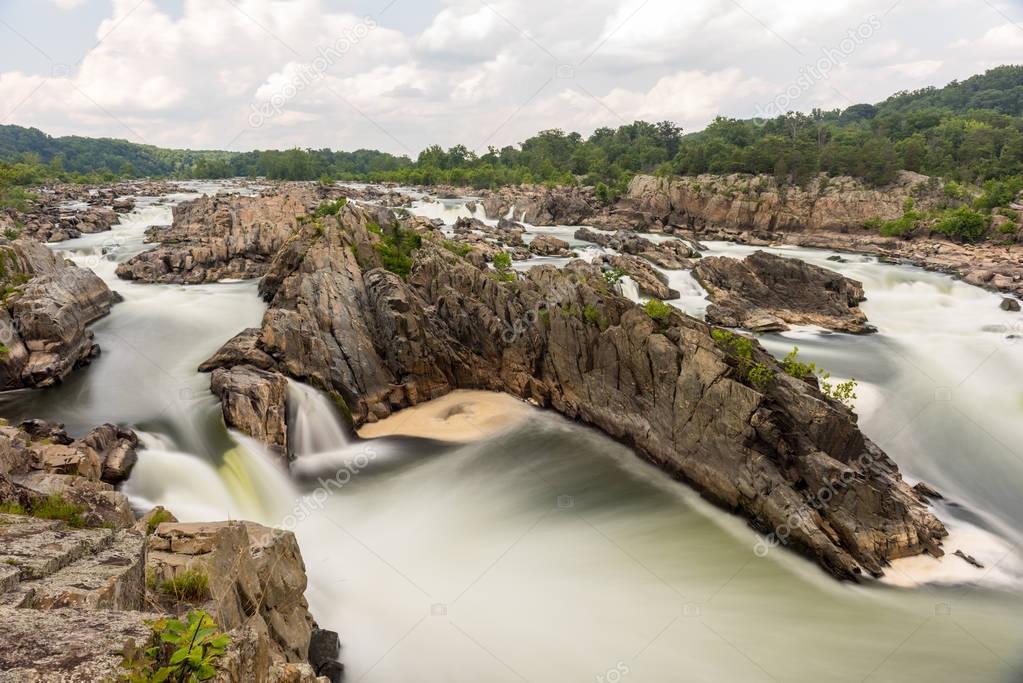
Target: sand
461	416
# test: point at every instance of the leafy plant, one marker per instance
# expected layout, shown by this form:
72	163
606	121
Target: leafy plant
330	208
796	368
760	376
396	247
502	264
658	310
963	223
613	276
593	316
181	651
844	392
458	248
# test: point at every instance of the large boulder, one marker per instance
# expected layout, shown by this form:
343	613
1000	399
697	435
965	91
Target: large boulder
767	293
254	401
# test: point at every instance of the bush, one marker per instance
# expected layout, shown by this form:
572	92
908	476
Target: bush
158	518
963	224
613	276
396	248
658	310
795	368
760	376
593	316
502	261
900	227
457	248
176	651
330	208
844	393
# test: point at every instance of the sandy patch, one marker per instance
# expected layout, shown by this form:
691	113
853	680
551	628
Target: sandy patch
461	416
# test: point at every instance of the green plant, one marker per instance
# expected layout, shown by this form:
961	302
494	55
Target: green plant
502	260
182	651
760	376
12	233
900	227
458	248
396	247
55	506
844	392
593	316
796	368
12	509
330	208
158	518
963	223
613	276
189	585
658	310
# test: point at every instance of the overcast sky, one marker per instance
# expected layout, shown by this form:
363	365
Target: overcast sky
398	75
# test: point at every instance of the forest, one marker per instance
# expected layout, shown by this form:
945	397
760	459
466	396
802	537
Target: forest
969	131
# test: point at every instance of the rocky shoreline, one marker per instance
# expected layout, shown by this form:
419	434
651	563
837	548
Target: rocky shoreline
81	579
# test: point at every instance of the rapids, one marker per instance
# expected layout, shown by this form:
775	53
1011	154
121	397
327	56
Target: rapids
549	552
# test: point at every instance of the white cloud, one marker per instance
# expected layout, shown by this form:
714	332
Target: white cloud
67	4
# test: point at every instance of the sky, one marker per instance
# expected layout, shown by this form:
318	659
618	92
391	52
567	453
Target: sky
399	75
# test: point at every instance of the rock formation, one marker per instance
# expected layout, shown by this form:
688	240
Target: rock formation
221	237
768	451
48	304
540	205
80	578
254	401
767	293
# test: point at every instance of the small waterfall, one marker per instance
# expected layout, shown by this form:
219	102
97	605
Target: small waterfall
627	286
314	425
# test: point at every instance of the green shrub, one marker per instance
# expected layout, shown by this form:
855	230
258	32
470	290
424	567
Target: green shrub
330	208
158	518
658	310
613	276
502	260
998	193
760	376
964	224
796	368
396	248
12	509
900	227
844	392
180	651
954	190
458	248
12	233
189	585
593	316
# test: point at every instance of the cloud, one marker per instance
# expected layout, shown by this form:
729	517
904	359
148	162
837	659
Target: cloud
266	73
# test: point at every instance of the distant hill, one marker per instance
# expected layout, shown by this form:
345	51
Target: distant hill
970	131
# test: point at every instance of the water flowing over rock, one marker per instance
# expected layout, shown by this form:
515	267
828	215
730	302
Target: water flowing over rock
48	304
562	340
541	205
767	293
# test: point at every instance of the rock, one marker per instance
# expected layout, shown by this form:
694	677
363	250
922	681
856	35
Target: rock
254	401
256	577
324	651
671	254
116	450
764	292
148	522
43	325
649	281
1009	305
926	492
383	342
222	236
969	559
548	245
541	205
242	349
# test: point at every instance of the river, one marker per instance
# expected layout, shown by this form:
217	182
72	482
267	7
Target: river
548	552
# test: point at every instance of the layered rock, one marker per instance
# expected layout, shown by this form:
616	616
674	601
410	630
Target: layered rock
672	254
222	237
255	402
649	281
665	387
80	582
48	304
548	245
767	293
541	205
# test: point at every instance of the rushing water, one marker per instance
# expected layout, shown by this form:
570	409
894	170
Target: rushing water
551	553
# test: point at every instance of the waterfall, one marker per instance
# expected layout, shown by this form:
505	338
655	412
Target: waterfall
314	425
627	286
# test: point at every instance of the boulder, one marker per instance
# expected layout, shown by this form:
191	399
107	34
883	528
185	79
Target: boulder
254	401
548	245
1009	305
764	292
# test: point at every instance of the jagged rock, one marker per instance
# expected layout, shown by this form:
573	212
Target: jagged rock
116	450
649	281
48	305
1009	305
148	522
242	349
926	492
324	651
969	559
548	245
672	254
256	577
541	205
218	237
383	343
254	401
764	292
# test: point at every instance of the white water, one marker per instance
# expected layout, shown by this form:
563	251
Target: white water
552	553
313	425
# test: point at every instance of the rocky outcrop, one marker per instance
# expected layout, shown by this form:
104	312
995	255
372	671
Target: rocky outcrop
767	293
672	254
548	245
649	281
254	401
779	452
48	304
95	581
540	205
222	237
